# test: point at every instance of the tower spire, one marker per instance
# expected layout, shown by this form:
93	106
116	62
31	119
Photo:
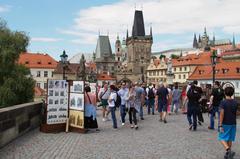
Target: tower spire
195	43
127	35
151	30
233	42
213	39
138	24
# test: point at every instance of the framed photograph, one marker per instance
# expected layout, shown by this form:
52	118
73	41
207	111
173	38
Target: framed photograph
78	87
50	101
50	84
56	93
50	93
76	101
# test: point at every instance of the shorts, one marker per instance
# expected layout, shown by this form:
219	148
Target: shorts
162	107
104	103
229	133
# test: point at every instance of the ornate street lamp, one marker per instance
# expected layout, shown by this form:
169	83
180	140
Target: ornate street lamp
64	58
214	62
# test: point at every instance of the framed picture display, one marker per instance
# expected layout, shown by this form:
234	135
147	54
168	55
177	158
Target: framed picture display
76	101
57	101
76	119
77	87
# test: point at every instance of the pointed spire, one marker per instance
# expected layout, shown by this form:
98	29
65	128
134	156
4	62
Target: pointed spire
127	34
205	30
195	43
117	36
138	24
151	30
199	39
213	39
233	42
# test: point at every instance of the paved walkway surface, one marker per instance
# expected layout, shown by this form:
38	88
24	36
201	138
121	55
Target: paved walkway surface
153	140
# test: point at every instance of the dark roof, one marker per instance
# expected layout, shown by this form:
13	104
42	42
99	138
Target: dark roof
103	48
138	24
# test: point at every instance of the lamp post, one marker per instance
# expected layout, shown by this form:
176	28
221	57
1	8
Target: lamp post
64	58
214	61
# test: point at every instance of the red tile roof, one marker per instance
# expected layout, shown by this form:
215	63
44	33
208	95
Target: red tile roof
231	52
203	58
105	77
225	47
224	70
37	60
39	91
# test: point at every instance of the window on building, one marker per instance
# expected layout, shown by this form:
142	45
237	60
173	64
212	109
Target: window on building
112	68
238	70
184	76
49	63
38	73
45	73
154	73
45	85
39	62
26	62
175	69
118	58
179	76
185	68
142	70
38	85
118	49
180	68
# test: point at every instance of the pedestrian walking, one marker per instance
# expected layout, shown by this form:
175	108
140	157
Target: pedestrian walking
184	99
123	93
151	98
139	99
131	97
228	122
176	98
162	97
103	96
112	107
215	100
193	106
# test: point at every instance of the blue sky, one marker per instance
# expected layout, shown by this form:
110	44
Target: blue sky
73	25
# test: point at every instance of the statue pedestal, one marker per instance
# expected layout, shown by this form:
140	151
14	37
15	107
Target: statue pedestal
170	77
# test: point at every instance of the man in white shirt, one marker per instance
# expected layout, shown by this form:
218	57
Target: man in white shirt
111	104
123	94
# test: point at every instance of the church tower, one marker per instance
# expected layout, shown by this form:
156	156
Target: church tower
195	43
138	49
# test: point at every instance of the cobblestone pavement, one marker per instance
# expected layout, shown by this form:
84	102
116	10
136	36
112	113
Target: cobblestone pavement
153	140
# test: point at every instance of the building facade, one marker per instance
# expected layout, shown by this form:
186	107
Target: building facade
41	67
138	49
156	71
105	62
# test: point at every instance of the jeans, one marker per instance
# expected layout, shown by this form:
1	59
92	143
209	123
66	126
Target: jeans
123	113
141	111
151	105
132	114
212	116
192	113
176	103
112	110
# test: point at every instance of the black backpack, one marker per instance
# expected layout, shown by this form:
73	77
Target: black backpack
151	93
118	101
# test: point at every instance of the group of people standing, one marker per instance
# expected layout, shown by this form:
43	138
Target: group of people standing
131	98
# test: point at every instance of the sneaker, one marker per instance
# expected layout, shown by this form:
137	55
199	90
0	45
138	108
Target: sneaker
232	154
199	123
136	127
97	130
115	128
123	124
132	126
142	118
190	127
152	113
165	121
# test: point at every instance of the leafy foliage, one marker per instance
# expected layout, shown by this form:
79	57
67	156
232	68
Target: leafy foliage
16	85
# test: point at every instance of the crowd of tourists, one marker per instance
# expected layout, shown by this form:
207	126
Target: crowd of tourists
130	98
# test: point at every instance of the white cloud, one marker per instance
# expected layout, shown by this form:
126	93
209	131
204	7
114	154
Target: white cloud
175	17
45	39
4	8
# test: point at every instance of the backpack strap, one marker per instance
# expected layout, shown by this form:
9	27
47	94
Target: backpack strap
89	98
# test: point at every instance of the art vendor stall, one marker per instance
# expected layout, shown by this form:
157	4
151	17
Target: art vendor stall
64	107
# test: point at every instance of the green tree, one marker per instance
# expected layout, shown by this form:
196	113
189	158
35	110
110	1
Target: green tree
173	56
16	84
